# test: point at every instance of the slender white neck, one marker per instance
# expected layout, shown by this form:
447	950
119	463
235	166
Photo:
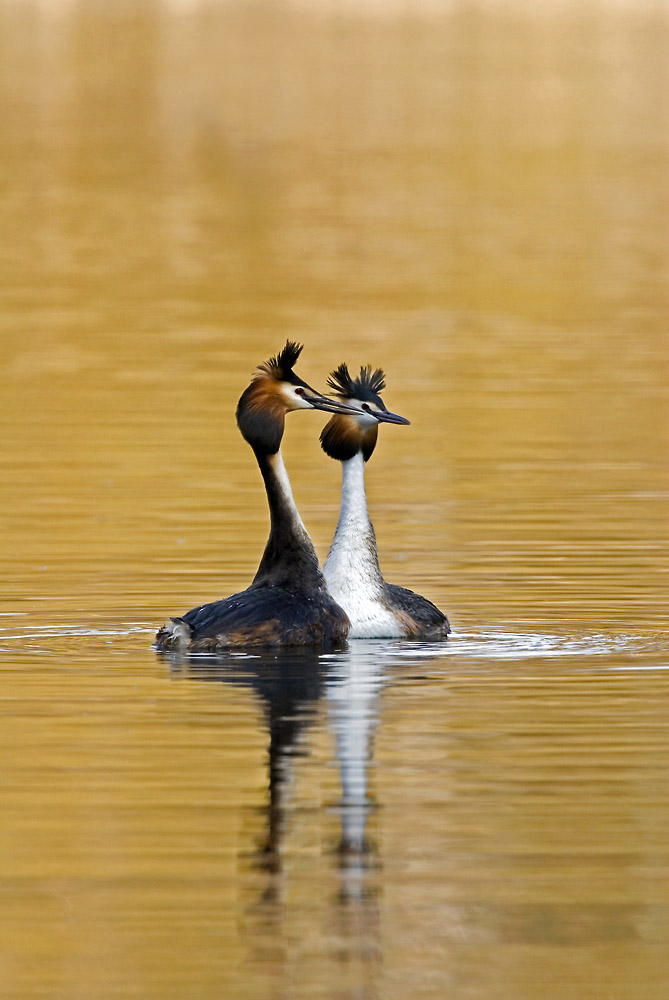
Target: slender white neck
283	483
353	496
289	554
353	560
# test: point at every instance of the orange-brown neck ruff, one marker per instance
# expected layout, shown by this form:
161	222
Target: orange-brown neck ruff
261	415
289	558
342	438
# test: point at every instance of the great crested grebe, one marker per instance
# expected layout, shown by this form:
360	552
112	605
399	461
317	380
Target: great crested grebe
376	609
288	603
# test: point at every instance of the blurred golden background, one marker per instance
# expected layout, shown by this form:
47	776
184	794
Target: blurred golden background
474	196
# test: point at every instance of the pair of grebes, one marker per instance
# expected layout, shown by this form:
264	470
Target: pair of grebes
292	602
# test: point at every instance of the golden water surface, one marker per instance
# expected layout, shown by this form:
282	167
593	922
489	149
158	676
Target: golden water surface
473	195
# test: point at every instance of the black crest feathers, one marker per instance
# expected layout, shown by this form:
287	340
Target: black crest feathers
368	384
281	365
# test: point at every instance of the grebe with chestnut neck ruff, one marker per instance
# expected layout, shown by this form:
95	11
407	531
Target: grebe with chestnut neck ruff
288	603
375	608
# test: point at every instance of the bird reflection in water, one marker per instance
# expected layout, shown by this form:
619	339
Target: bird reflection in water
353	689
290	684
298	688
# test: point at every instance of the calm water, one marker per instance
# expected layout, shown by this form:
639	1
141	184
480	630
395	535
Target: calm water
475	197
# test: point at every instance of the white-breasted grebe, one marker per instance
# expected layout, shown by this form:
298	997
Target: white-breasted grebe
376	609
288	603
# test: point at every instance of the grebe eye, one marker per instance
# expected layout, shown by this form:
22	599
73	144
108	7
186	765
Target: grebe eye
299	391
366	407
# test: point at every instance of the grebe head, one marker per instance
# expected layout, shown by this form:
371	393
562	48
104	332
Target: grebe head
348	433
275	390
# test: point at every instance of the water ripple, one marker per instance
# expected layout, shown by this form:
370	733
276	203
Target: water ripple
487	645
500	645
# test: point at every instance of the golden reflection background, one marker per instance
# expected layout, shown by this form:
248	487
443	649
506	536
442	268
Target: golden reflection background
475	199
474	196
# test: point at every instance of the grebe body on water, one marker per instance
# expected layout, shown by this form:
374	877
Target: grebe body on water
288	603
376	609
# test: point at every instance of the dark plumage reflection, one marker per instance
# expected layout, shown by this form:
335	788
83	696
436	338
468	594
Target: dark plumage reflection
289	684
